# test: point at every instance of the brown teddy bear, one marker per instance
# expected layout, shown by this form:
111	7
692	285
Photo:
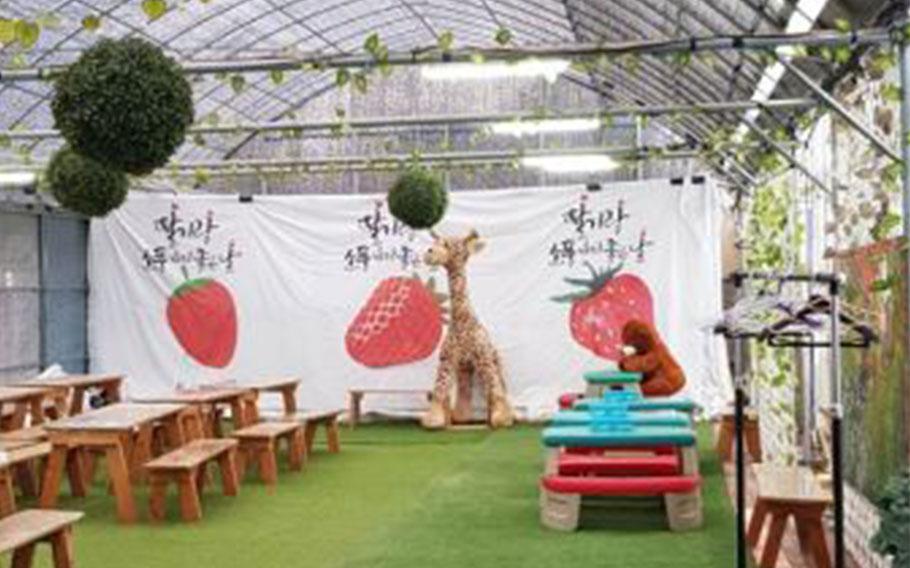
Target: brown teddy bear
645	353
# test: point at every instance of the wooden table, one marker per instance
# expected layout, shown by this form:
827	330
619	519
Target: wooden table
286	386
24	400
355	398
208	400
785	491
124	432
75	386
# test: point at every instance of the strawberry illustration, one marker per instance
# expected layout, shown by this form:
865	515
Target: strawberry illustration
600	311
401	323
201	314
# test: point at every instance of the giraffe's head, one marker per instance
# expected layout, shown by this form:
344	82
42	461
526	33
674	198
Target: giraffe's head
453	252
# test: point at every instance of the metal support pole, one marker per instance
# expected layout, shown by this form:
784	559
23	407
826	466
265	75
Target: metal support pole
905	154
739	402
448	121
478	157
791	159
839	109
837	458
432	54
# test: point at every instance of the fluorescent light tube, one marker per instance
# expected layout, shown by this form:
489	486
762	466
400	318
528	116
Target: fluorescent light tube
18	179
525	127
578	163
549	69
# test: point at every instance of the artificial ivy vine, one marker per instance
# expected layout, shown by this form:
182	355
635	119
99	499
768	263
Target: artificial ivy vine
772	241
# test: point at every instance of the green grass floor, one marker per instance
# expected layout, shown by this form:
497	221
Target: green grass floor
399	497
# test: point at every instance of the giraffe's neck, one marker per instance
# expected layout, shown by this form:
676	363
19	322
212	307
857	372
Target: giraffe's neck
458	292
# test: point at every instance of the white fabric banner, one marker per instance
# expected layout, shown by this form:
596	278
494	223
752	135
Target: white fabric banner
189	289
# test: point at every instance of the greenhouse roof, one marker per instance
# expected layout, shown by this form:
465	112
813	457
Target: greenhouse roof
212	31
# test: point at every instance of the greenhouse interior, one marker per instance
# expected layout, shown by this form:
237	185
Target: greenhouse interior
258	305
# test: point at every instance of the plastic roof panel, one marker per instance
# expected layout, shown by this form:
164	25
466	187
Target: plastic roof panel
193	30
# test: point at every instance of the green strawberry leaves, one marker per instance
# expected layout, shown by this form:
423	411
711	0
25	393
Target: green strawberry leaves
592	285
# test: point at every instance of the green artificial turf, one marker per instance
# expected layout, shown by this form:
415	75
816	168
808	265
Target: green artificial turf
397	497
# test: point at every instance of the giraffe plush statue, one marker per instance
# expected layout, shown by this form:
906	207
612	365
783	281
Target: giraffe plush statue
467	349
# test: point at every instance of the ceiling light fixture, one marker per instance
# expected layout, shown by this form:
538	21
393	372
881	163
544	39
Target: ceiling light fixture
549	69
520	128
18	179
579	163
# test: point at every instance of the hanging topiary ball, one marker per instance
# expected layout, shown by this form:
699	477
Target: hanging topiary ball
125	104
418	198
85	186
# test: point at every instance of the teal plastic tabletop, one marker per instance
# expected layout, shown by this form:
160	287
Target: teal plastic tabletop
585	436
660	418
655	403
612	377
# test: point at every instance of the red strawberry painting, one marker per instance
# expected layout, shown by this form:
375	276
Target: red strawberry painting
202	316
401	323
608	301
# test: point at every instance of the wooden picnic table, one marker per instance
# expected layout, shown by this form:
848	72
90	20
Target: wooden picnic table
239	399
75	386
286	386
124	432
24	401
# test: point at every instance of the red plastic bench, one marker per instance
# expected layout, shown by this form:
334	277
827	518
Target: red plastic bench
621	486
561	497
661	465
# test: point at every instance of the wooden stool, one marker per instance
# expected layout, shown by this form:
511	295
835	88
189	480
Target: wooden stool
20	533
260	443
751	436
783	492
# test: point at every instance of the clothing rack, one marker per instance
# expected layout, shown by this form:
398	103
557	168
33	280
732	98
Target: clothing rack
833	282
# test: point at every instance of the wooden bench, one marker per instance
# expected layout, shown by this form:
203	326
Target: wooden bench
185	466
259	443
20	533
782	492
355	398
19	460
561	497
311	420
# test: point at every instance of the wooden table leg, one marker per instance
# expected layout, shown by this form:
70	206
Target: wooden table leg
354	408
157	495
759	512
309	434
812	541
331	435
37	410
23	556
7	496
238	413
173	429
50	487
775	538
119	472
62	547
17	422
78	401
112	392
289	395
142	452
